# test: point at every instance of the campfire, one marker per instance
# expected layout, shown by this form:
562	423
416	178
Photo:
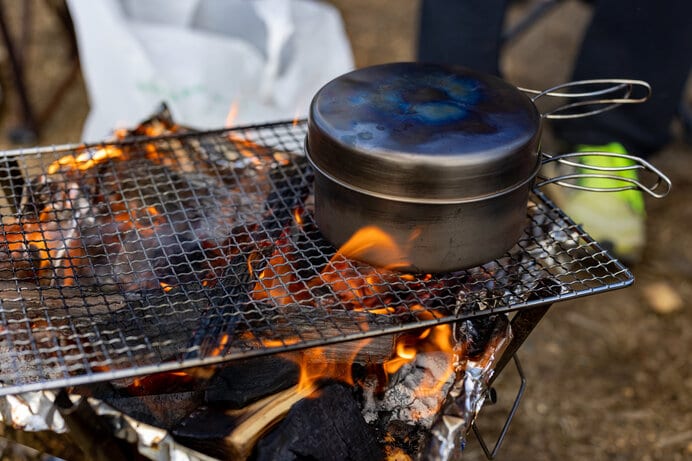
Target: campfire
179	279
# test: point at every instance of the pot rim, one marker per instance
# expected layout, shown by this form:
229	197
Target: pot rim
423	200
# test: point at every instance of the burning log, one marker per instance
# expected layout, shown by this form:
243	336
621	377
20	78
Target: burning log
126	223
243	427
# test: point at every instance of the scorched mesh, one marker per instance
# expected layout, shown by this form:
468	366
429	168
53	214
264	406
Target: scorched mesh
159	253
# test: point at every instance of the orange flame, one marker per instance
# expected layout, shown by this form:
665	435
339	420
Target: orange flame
221	346
165	286
232	114
373	244
85	160
439	338
316	365
298	216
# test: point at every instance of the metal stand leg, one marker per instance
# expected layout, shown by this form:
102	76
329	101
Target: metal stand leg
520	393
523	324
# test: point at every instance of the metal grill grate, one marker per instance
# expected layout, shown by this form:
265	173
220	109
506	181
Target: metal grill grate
155	254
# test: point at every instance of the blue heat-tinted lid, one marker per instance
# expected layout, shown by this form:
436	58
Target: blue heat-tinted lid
417	130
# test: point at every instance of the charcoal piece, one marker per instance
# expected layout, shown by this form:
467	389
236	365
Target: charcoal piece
162	411
476	332
289	187
166	320
328	426
12	181
245	381
204	430
205	423
407	437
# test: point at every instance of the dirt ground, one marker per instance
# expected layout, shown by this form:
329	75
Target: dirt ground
609	376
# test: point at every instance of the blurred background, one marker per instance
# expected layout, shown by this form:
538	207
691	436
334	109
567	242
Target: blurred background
609	376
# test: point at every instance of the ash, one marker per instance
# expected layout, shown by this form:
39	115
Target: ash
402	400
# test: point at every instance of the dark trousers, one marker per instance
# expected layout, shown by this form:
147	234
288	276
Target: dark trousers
640	39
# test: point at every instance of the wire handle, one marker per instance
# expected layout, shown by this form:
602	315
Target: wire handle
585	98
658	189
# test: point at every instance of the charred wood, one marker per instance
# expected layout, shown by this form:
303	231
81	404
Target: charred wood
164	410
242	382
204	430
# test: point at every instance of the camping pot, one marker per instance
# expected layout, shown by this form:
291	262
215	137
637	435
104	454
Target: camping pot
440	158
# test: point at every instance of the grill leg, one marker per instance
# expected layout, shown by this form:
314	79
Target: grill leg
523	324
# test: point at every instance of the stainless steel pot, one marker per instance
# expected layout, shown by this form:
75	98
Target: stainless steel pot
440	158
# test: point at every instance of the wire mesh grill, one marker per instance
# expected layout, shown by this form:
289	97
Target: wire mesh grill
155	254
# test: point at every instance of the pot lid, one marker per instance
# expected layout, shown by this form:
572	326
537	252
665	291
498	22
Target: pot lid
423	131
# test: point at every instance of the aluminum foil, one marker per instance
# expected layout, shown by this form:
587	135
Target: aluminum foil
465	399
36	411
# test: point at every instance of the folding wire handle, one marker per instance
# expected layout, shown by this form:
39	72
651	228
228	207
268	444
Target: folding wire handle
520	393
590	97
659	189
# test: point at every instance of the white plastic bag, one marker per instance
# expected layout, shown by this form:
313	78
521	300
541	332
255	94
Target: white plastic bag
262	60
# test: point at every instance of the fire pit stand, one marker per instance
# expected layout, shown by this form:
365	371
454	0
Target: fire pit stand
153	254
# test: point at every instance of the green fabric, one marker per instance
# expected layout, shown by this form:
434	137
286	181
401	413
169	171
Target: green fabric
634	198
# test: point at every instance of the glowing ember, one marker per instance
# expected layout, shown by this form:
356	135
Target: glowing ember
166	287
85	160
298	216
160	383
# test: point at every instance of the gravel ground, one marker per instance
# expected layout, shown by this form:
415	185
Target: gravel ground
609	376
